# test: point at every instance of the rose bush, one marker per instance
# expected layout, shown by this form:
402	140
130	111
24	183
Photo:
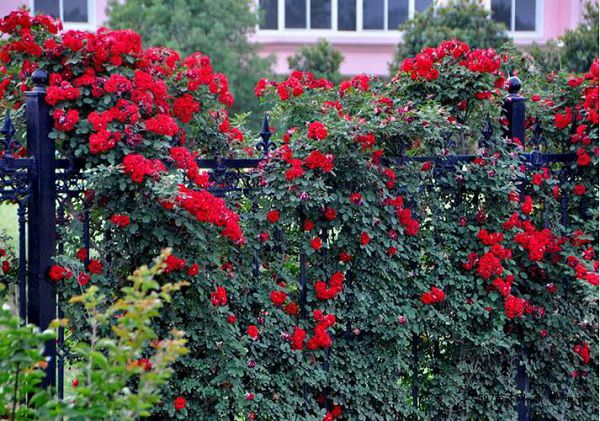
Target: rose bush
347	279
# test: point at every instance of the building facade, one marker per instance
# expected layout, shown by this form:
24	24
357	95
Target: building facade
365	31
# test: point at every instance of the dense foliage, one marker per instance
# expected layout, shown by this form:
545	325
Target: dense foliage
465	20
217	29
322	292
321	59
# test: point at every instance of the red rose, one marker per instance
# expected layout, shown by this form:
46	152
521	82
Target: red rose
253	332
317	130
316	243
278	297
273	216
426	166
193	269
514	306
365	238
298	337
436	295
83	279
579	190
120	220
219	297
356	198
231	319
58	273
330	214
82	254
292	309
308	225
179	403
584	351
527	205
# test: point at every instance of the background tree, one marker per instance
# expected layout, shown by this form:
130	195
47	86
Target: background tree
217	29
465	20
321	59
581	44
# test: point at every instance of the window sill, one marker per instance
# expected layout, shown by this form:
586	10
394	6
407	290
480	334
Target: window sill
304	36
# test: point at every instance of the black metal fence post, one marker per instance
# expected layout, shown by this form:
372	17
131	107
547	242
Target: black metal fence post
41	240
514	109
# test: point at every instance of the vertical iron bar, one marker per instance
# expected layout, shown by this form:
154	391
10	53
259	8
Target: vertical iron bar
302	284
22	262
514	109
302	281
564	201
61	330
523	386
415	385
325	262
41	299
436	372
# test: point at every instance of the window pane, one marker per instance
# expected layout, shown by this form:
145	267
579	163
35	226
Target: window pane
421	5
347	15
295	13
320	14
397	13
268	14
373	14
525	15
501	12
75	10
47	7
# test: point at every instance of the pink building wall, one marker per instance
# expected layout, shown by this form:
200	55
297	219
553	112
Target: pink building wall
372	54
363	52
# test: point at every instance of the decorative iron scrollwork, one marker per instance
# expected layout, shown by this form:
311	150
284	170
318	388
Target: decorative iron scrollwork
486	134
538	137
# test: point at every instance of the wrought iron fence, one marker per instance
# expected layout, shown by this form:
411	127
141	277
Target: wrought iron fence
42	186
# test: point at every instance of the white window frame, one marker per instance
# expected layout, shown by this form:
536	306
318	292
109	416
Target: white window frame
90	25
539	21
302	32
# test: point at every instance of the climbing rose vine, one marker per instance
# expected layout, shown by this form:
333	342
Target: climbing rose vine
345	276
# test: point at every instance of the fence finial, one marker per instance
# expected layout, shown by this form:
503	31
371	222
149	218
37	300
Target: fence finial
265	145
8	131
513	85
8	128
40	79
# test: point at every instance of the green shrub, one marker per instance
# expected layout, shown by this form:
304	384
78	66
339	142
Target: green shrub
118	369
321	59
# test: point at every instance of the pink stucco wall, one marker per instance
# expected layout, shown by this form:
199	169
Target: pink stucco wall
364	53
372	54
